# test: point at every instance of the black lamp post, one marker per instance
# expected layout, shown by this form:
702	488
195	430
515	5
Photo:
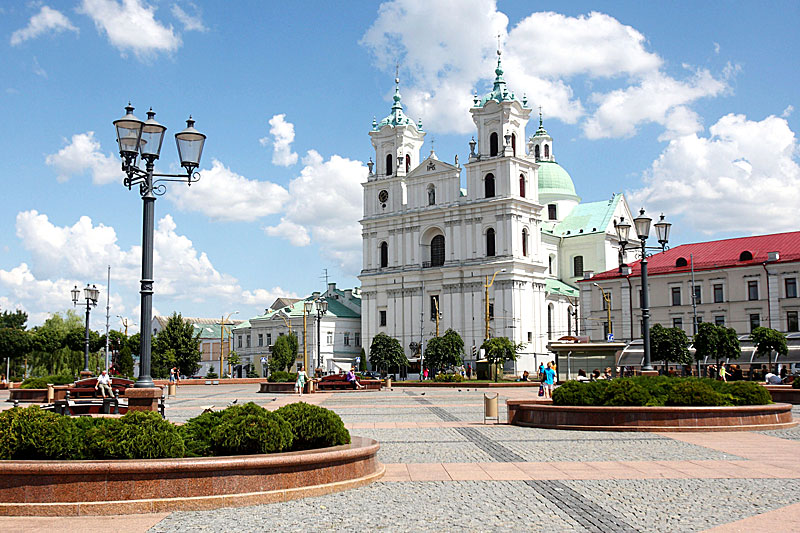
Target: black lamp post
91	295
642	223
137	138
321	306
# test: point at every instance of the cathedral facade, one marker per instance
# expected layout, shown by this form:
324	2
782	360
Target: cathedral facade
518	232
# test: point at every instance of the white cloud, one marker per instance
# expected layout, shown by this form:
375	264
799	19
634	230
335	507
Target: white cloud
83	154
282	138
224	195
190	22
325	206
742	178
46	20
544	55
788	111
131	26
264	297
37	68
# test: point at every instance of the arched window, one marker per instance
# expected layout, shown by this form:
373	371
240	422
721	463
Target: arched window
546	151
437	250
550	266
490	251
522	185
384	255
431	194
569	321
514	143
681	262
577	265
745	256
550	321
488	185
525	242
493	146
536	151
388	164
408	163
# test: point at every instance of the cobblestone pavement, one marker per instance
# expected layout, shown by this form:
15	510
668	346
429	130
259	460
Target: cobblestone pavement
447	471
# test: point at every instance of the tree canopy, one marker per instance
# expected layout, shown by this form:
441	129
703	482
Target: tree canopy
768	340
175	345
670	345
498	350
284	352
386	352
15	320
716	342
443	352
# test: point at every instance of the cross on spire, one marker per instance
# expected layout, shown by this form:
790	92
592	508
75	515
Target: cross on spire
540	116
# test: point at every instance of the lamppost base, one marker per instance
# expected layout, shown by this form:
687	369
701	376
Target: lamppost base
85	374
144	384
649	372
140	399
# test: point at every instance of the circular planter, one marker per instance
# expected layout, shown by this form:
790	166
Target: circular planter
28	395
784	393
71	488
743	418
277	387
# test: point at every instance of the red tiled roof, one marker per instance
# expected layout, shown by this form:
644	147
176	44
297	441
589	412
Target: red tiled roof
716	254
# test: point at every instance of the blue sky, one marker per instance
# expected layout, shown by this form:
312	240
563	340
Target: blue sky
686	107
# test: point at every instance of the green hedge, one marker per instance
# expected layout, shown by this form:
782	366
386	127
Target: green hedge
314	427
282	377
42	382
661	390
249	429
449	378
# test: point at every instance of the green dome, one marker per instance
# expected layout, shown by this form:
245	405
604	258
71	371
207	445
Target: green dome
554	180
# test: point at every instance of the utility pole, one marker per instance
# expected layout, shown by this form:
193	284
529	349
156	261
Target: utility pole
108	310
694	310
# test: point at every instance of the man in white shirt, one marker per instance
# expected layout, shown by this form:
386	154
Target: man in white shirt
104	384
773	379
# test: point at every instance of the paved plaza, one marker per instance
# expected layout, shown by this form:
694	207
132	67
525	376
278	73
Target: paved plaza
447	471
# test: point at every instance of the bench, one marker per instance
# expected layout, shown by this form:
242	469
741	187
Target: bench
339	382
85	388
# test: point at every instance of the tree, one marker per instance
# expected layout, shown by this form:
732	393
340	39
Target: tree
498	350
125	362
443	352
284	353
670	345
14	344
134	343
362	362
768	340
15	320
385	352
175	345
716	342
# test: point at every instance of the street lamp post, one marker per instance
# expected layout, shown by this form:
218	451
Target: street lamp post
486	286
607	299
642	223
321	306
143	138
308	306
222	323
91	295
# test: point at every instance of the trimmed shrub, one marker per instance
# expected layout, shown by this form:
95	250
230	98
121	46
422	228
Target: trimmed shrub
314	427
748	393
620	392
32	433
137	435
42	382
697	393
250	429
211	374
196	434
448	378
280	376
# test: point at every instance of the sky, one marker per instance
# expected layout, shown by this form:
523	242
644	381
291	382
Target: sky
686	107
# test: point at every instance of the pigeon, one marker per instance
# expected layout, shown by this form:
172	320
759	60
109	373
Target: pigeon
233	402
423	394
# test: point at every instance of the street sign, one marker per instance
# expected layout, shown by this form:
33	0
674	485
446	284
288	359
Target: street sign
610	337
358	360
263	360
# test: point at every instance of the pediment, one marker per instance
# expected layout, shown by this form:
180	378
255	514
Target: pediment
432	166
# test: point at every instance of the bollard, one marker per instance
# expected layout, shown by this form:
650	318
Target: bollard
172	389
388	383
51	393
490	407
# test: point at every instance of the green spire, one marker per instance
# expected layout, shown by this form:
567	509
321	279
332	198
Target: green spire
396	117
541	132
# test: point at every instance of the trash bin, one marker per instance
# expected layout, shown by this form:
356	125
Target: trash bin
172	389
388	382
51	393
490	407
309	386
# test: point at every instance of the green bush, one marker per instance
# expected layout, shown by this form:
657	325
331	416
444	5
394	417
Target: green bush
279	376
748	393
32	433
252	373
621	392
448	378
696	392
137	435
196	433
314	427
581	393
211	374
249	429
796	383
42	382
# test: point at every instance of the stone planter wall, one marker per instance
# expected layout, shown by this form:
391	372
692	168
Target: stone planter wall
28	395
784	393
277	387
744	418
71	488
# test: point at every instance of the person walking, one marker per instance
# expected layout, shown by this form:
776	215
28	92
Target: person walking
549	380
723	372
301	381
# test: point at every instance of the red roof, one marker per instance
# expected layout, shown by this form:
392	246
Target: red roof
727	253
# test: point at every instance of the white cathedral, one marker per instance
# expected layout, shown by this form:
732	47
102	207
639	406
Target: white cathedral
429	246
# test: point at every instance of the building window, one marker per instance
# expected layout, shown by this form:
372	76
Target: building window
791	287
388	164
569	321
357	337
677	322
434	305
536	152
269	339
408	163
676	296
514	143
791	321
606	330
550	265
546	151
607	303
346	338
248	341
745	256
718	295
549	321
381	318
525	246
755	321
240	341
329	338
752	290
577	266
490	242
522	185
437	250
493	144
384	255
260	339
488	186
698	294
491	311
530	336
719	320
552	212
